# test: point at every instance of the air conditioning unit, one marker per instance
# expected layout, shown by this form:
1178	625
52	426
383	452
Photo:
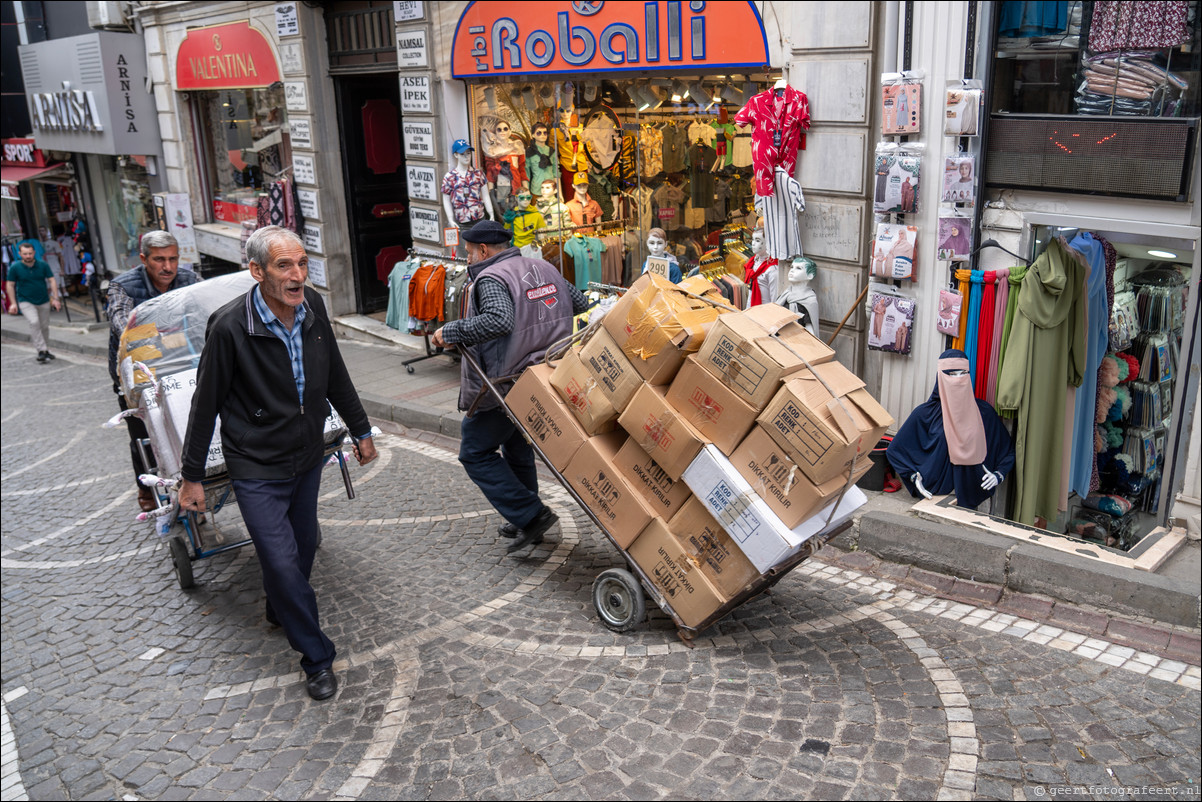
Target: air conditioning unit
109	16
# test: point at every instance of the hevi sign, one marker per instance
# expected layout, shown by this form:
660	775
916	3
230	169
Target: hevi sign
502	37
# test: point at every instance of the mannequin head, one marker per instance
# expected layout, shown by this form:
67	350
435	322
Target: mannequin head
657	242
802	270
759	246
522	199
539	133
580	187
549	190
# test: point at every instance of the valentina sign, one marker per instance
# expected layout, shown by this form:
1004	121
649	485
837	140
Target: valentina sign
497	37
229	56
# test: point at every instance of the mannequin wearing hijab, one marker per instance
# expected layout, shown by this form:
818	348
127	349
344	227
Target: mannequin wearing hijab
953	441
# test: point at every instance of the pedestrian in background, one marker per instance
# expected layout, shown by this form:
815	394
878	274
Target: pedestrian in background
270	368
159	273
33	291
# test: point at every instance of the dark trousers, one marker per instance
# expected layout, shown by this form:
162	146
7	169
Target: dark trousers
281	516
506	477
137	429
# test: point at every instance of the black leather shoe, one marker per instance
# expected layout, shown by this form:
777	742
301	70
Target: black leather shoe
269	614
507	530
42	357
48	355
532	535
322	685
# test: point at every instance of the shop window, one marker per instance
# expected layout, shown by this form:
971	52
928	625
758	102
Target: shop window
247	147
1104	58
130	206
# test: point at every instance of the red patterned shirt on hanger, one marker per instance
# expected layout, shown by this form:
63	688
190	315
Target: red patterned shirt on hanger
1130	25
776	137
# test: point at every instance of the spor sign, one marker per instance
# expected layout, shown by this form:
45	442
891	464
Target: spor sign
499	37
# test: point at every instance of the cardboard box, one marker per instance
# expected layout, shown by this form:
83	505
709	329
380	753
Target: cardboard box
545	417
663	494
779	480
615	376
676	577
657	326
712	549
710	406
752	351
661	431
758	531
820	431
579	389
592	473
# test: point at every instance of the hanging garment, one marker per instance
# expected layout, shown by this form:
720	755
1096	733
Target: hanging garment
779	117
782	233
651	149
628	163
601	188
570	146
761	279
466	191
740	151
962	276
540	166
613	259
1097	331
701	180
668	199
1132	24
581	213
1028	18
586	253
999	317
974	316
452	306
985	338
525	225
426	290
951	440
1111	257
1014	283
1045	354
675	150
716	213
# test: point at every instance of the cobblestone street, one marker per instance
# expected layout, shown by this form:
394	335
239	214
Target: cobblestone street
466	673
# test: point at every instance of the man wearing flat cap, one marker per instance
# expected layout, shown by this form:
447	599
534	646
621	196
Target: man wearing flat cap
517	307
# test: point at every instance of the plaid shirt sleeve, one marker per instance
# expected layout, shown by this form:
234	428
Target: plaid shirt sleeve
120	305
493	318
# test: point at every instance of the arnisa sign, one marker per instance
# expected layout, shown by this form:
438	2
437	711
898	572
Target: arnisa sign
499	37
68	110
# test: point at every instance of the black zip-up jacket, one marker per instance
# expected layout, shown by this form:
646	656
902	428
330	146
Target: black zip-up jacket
245	376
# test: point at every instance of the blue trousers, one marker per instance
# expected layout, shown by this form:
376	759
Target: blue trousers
498	459
281	516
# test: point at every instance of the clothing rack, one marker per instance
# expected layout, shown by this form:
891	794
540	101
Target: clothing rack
431	351
611	288
606	227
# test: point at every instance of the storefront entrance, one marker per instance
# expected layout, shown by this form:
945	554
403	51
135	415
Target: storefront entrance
369	122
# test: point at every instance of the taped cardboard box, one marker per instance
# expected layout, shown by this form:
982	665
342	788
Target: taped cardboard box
677	578
615	376
657	326
752	352
822	431
661	431
592	473
779	480
712	549
579	389
662	493
545	417
759	532
710	406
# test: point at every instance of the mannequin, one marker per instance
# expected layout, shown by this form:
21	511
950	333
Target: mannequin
554	212
465	198
570	144
799	296
581	208
761	271
524	221
657	247
540	160
943	446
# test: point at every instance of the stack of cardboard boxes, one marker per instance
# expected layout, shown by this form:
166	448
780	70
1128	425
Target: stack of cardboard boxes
711	443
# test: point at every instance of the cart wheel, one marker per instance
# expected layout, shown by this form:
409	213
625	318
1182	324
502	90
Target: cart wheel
619	599
182	562
409	368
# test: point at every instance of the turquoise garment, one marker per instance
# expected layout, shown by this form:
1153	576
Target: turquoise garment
1097	329
974	313
586	253
540	167
1027	18
398	295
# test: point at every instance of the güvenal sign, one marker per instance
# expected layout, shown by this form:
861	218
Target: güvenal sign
233	55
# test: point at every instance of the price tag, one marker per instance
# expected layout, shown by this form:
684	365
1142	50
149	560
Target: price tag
450	236
659	266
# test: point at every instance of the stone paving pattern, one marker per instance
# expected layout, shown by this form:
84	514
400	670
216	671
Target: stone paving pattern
467	673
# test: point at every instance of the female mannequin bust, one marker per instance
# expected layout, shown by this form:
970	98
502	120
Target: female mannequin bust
465	196
799	296
657	248
761	271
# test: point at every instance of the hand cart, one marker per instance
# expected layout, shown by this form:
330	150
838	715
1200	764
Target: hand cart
619	594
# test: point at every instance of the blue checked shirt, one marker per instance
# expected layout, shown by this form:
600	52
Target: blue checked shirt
292	339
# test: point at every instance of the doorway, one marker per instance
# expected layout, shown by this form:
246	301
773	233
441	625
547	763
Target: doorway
369	121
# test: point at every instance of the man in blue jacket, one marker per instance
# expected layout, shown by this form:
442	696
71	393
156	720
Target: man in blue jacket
270	368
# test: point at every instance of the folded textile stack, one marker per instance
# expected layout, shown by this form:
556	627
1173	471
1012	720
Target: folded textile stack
1130	84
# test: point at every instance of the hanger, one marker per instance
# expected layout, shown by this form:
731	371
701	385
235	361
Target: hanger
992	243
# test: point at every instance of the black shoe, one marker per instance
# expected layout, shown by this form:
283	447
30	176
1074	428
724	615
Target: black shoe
48	355
269	614
42	357
322	685
532	535
507	530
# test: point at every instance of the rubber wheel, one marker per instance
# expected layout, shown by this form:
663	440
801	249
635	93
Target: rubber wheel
409	368
182	562
619	599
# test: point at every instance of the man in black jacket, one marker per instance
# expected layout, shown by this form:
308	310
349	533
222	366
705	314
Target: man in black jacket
269	367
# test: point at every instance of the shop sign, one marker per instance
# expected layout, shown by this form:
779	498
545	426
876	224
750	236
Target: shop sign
419	139
405	10
499	37
301	130
229	56
311	234
287	23
304	169
67	110
411	48
422	182
415	93
296	96
307	200
233	212
9	192
317	272
424	224
292	61
22	153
